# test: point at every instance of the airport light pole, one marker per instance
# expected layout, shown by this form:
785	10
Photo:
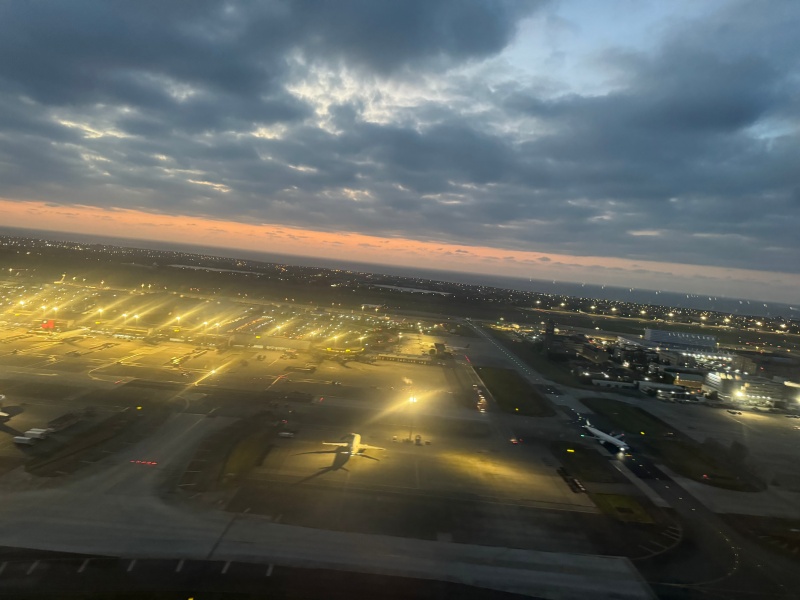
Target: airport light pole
411	402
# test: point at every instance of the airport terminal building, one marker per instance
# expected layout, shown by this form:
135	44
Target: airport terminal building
677	341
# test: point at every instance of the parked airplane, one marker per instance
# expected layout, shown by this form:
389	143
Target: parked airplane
602	436
353	446
3	414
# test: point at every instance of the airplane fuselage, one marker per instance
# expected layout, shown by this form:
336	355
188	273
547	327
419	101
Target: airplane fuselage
602	436
355	444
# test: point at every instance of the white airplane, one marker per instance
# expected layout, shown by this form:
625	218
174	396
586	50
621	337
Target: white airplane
353	446
602	436
3	414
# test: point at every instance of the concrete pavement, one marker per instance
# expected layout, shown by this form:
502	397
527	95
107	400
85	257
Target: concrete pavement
115	509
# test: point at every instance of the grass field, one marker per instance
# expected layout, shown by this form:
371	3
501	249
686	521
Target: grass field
513	394
246	454
532	356
779	535
677	451
636	326
628	417
587	464
605	323
622	508
226	456
103	436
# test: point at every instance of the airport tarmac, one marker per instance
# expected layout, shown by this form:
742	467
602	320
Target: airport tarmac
355	396
416	490
771	439
469	485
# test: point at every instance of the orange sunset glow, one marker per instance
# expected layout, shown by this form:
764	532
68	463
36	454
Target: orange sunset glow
270	238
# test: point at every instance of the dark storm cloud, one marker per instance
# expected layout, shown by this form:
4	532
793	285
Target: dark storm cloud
690	156
87	52
387	36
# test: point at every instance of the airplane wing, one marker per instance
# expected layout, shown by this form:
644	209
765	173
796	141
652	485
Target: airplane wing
368	447
340	444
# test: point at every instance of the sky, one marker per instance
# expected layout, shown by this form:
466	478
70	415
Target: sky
636	143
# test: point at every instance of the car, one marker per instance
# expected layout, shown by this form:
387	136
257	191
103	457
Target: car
286	434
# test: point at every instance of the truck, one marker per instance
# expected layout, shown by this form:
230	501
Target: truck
23	440
38	434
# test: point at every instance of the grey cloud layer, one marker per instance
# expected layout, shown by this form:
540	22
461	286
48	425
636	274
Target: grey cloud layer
144	104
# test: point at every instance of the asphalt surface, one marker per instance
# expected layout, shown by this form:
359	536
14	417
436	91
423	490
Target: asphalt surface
470	484
73	576
731	565
712	560
771	439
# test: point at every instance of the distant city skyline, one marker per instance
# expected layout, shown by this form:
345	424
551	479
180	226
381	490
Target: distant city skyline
636	144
